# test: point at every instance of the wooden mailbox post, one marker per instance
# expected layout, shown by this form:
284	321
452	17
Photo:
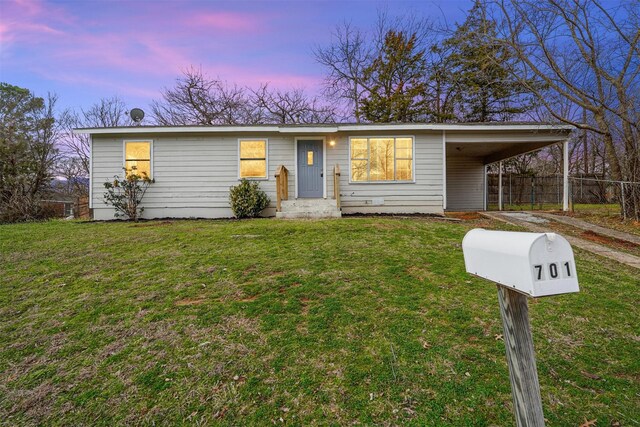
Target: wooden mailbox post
522	265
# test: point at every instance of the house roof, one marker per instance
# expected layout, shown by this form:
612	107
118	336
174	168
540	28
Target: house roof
332	128
490	141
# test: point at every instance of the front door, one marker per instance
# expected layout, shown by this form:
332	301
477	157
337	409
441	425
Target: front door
310	168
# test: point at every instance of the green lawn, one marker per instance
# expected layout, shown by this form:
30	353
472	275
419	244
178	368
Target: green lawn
358	320
605	215
610	209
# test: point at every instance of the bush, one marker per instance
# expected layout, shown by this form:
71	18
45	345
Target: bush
247	199
21	206
125	194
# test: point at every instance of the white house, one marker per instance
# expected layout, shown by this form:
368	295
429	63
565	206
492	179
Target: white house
321	169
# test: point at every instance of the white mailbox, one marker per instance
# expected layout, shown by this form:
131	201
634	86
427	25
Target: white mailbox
536	264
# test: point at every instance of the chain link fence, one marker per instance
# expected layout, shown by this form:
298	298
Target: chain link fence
526	192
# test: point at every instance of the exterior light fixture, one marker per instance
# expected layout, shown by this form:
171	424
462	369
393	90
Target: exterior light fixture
332	143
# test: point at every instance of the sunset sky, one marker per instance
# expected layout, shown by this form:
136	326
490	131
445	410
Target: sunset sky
85	50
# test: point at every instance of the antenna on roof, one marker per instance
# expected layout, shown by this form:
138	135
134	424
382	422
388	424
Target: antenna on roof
137	115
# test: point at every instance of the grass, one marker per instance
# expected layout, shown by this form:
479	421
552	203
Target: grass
352	321
612	243
605	215
610	209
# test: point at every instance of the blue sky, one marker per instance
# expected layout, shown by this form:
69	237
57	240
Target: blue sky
85	50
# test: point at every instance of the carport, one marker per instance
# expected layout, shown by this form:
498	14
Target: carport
470	149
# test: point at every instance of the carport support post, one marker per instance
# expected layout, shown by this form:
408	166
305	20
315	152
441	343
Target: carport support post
565	176
500	186
518	341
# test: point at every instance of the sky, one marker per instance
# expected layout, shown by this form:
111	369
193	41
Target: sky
87	50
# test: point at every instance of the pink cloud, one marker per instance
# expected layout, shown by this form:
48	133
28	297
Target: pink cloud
33	28
44	10
139	49
30	21
118	87
132	48
142	55
162	57
139	52
30	7
255	76
228	21
5	34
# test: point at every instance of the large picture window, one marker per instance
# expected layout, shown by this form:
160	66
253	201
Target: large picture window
137	158
381	159
253	158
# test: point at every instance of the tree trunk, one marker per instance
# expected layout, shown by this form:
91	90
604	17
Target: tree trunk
612	156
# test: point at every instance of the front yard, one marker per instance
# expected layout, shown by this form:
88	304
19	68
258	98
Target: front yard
351	321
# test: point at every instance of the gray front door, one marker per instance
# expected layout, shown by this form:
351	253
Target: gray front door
310	168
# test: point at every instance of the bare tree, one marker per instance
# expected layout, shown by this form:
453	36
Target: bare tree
74	182
199	100
345	61
354	50
586	148
289	106
28	152
586	53
43	147
107	112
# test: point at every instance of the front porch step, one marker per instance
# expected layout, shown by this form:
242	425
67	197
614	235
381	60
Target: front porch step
309	208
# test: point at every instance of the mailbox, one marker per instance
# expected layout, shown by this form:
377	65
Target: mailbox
535	264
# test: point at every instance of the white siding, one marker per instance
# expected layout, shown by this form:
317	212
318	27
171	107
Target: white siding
465	184
192	173
422	196
194	170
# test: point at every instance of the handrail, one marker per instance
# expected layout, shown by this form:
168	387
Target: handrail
336	185
282	186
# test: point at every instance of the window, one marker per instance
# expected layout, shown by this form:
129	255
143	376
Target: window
381	159
253	158
137	158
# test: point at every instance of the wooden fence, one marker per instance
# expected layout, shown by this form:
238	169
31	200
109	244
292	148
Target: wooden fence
81	208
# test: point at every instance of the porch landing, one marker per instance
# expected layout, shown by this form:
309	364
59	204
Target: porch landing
309	208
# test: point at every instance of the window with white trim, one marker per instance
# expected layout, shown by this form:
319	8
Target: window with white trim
253	158
381	159
137	158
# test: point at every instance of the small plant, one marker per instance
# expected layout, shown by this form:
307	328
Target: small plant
247	199
125	194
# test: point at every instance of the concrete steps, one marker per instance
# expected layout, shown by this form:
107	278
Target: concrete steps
309	208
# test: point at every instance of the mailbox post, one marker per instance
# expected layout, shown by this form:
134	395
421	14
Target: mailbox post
522	265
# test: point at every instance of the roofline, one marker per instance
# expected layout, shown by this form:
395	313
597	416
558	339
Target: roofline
286	129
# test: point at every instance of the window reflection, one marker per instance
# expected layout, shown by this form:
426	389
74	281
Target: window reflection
381	159
137	158
253	158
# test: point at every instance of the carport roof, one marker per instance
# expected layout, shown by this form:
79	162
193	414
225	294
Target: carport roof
495	146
